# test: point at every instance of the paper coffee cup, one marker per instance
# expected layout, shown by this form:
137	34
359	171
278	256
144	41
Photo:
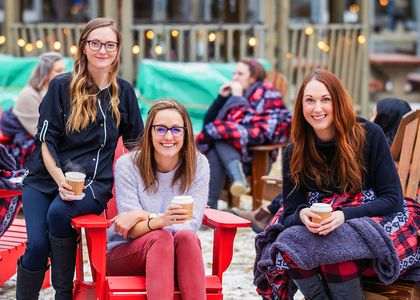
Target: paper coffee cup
323	210
76	180
186	202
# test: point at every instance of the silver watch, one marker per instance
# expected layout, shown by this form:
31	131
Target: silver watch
153	215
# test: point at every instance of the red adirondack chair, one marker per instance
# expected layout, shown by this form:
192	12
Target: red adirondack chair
134	287
13	244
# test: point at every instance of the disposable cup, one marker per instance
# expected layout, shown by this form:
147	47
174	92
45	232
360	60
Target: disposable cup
323	210
187	202
76	180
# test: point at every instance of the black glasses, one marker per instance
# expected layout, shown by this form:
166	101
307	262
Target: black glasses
96	45
176	131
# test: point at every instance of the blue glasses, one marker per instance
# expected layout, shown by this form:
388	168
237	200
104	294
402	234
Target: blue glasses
177	131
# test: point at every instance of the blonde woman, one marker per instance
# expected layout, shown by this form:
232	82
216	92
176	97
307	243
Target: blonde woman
150	236
81	118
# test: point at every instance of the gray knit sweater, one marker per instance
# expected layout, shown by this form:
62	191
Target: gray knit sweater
130	194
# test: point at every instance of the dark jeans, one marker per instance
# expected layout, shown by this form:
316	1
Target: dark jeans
46	213
219	157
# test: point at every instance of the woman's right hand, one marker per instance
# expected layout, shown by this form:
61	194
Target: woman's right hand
65	189
226	89
305	216
174	214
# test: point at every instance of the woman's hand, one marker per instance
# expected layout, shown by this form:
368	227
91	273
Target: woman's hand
65	189
174	214
225	89
124	221
305	215
237	88
333	222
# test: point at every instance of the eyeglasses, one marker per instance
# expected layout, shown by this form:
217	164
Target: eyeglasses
96	45
176	131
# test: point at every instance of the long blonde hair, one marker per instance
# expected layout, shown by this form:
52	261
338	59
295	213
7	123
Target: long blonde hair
83	90
145	159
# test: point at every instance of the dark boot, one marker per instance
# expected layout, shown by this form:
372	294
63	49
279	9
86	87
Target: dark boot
239	185
28	283
349	290
63	261
312	288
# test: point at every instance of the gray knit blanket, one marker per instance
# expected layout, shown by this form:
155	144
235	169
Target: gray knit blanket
358	238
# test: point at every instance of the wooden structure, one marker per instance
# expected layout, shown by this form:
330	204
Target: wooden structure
293	49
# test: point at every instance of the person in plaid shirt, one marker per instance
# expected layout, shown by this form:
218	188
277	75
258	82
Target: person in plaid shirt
247	111
344	161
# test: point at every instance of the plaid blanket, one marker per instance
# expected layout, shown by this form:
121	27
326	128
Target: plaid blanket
258	118
401	227
8	205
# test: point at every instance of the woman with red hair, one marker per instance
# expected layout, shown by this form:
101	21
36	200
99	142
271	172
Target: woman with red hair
345	162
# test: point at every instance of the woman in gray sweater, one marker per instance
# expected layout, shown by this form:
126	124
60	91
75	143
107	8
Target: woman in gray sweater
150	236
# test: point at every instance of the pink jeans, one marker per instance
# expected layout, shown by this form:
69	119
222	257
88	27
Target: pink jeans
158	255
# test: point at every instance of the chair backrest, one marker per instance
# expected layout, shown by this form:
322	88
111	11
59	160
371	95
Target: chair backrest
112	210
406	152
279	81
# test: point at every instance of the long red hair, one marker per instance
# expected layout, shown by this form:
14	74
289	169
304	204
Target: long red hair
347	167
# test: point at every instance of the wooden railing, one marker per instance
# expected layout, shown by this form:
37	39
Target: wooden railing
169	42
335	47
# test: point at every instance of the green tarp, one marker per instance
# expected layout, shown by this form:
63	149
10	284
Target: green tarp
14	75
193	84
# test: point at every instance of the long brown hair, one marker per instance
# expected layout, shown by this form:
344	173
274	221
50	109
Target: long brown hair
145	159
348	163
83	90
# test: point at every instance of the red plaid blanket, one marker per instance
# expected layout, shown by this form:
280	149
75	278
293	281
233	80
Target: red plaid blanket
401	227
260	117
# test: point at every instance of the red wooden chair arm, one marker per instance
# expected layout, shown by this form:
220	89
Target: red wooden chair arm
90	221
10	193
224	225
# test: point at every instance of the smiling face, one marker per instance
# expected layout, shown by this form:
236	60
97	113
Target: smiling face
242	75
317	110
101	59
167	146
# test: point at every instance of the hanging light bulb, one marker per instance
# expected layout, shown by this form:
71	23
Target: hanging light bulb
158	49
21	43
73	50
136	49
212	37
2	39
57	45
309	30
39	44
252	41
29	47
174	33
150	35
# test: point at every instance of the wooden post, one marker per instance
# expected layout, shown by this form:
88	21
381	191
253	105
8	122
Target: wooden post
365	7
126	25
282	40
12	14
111	9
269	8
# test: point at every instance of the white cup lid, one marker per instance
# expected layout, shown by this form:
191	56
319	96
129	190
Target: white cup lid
75	176
182	199
323	207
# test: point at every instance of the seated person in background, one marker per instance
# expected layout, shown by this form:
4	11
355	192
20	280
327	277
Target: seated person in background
343	162
150	236
247	112
20	122
387	114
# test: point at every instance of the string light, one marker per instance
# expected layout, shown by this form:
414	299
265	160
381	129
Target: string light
361	39
354	8
309	30
252	41
73	50
150	35
39	44
29	47
321	44
289	55
2	39
212	37
383	2
158	49
57	45
21	43
174	33
136	49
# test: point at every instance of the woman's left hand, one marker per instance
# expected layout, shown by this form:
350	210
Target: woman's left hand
124	221
333	222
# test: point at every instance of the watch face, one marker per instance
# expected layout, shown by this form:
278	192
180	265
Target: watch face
153	215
